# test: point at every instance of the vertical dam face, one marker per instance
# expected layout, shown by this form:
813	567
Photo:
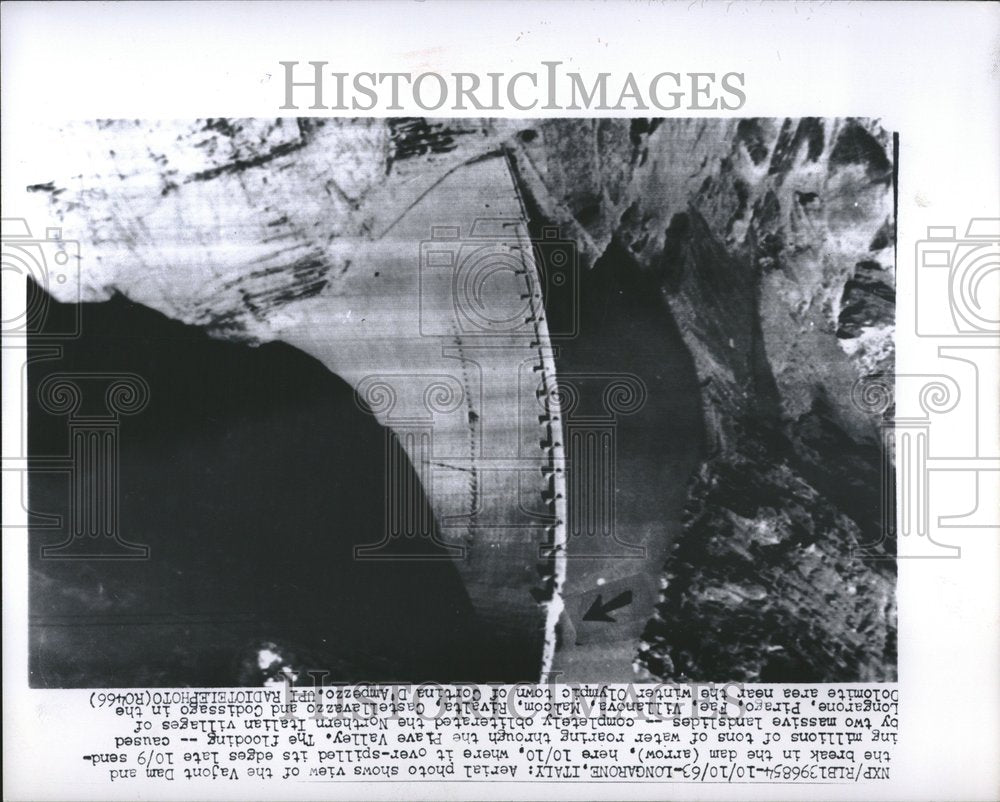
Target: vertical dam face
251	476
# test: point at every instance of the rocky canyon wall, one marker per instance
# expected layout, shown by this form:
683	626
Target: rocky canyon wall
773	244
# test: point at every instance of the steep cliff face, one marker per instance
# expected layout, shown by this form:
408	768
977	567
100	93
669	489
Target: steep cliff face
775	235
773	243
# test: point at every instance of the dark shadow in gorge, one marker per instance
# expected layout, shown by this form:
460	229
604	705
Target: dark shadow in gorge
624	327
613	322
251	475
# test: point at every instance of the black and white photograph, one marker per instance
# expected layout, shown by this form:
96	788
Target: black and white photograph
500	400
452	399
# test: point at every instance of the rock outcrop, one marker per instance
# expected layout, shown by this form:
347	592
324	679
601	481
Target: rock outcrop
773	242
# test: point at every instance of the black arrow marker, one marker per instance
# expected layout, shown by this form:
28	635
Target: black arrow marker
599	611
